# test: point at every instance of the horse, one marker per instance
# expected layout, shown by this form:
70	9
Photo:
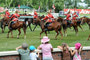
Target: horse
17	26
66	24
53	26
4	22
88	37
85	20
30	21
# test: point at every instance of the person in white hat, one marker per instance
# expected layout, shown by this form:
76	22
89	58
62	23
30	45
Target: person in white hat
46	48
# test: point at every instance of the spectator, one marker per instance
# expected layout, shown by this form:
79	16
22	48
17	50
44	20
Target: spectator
23	51
33	55
76	52
46	48
65	51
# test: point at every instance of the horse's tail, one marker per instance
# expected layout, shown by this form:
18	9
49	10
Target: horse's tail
2	23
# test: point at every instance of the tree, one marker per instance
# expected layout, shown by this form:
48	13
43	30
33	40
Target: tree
87	2
59	4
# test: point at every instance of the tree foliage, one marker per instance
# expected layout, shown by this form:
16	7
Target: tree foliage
44	4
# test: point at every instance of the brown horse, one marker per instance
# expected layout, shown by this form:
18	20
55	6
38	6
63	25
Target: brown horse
53	26
88	37
85	20
66	24
30	21
18	25
4	22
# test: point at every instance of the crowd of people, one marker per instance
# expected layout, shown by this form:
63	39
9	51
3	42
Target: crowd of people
46	49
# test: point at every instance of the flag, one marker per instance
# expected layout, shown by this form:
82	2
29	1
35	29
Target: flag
39	8
18	6
53	6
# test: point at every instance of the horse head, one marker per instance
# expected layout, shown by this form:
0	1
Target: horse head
60	19
36	21
83	20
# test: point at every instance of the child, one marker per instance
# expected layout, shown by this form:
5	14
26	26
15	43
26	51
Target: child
46	48
76	52
65	51
33	55
23	51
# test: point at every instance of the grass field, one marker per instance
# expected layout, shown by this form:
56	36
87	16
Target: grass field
8	44
33	38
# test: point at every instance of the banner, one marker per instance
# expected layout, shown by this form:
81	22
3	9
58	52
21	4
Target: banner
81	11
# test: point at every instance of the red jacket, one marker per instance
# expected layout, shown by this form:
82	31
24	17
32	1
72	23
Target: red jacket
15	15
68	16
15	19
35	14
48	16
7	14
74	16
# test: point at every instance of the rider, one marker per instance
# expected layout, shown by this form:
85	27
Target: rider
7	14
35	14
68	16
48	19
74	16
14	18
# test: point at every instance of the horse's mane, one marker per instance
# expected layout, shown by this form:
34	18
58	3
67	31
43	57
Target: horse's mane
60	19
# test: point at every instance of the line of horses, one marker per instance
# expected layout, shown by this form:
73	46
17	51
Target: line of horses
56	25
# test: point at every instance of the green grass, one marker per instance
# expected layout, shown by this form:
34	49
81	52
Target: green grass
33	38
8	44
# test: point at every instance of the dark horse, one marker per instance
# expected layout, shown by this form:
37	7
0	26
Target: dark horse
85	20
30	21
4	22
66	24
18	25
53	26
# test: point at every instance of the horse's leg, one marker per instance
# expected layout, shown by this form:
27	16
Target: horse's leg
76	30
24	29
61	34
88	37
2	28
41	33
81	27
46	33
57	33
11	34
35	27
19	33
30	26
8	33
65	31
